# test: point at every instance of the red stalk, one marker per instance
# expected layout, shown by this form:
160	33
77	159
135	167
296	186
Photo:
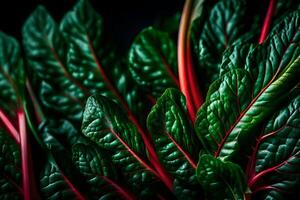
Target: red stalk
189	159
267	21
10	127
187	79
24	156
72	187
125	194
163	175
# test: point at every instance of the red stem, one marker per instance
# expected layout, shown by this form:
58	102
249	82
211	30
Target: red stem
163	175
24	155
125	194
37	109
188	81
72	187
10	127
267	21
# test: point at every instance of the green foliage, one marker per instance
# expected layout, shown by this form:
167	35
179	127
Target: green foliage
89	107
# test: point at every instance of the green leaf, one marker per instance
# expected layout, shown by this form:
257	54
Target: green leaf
226	24
46	52
235	56
175	141
11	74
92	60
55	185
88	60
10	164
152	61
106	125
274	165
98	172
241	99
221	180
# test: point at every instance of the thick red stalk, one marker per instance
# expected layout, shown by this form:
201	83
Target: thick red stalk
24	156
267	21
10	127
188	81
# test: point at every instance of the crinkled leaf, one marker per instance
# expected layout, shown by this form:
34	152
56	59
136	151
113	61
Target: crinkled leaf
221	180
92	60
106	124
175	141
274	166
152	61
226	24
99	174
241	99
11	74
46	51
235	56
55	185
10	165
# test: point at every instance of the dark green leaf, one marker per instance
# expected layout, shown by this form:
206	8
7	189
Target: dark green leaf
175	141
10	168
106	124
241	99
46	51
226	24
153	62
235	56
221	180
274	166
98	172
55	185
11	74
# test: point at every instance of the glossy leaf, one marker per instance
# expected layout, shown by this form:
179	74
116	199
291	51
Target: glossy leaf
98	172
226	24
10	168
240	100
221	180
92	60
175	141
235	56
105	124
46	52
274	165
11	74
152	61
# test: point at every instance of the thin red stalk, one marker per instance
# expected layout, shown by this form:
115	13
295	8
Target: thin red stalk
267	21
125	194
152	154
164	179
24	156
72	187
189	159
187	78
37	109
10	127
258	176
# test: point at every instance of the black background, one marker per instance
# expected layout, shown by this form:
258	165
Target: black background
122	18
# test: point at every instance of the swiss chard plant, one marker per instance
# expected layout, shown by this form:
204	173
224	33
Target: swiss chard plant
202	106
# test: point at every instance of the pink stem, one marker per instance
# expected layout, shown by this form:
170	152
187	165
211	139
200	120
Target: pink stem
10	127
187	79
267	21
24	155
